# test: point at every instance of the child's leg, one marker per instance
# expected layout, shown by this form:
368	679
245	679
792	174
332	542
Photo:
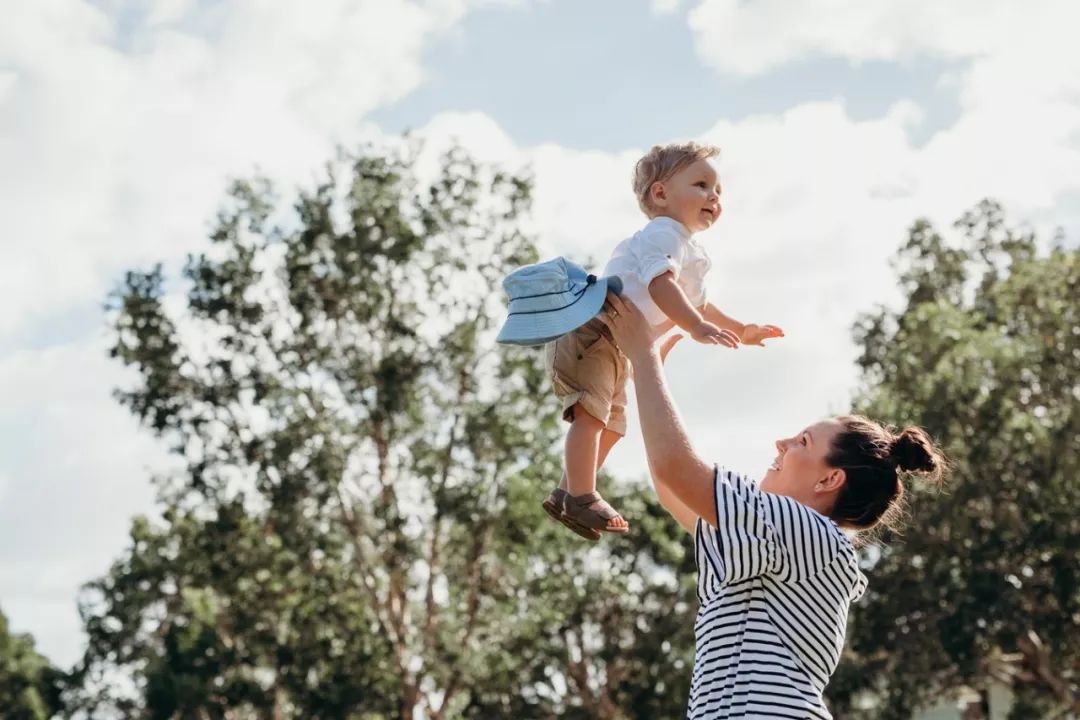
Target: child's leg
581	452
553	506
586	376
587	446
607	441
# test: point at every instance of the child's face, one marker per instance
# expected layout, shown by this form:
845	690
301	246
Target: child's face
691	196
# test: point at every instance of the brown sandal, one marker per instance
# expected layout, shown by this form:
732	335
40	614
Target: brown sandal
576	509
553	506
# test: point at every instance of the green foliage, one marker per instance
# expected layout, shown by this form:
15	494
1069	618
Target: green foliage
355	531
985	583
29	686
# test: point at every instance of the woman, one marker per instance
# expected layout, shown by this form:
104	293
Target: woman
776	568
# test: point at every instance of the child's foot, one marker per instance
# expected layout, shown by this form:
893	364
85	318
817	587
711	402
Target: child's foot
553	506
592	511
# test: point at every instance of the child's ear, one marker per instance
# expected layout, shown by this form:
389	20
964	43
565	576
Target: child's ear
658	192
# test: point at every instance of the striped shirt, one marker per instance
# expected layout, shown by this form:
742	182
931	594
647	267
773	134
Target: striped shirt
775	580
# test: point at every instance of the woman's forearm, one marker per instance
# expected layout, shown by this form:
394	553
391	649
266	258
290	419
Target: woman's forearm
672	460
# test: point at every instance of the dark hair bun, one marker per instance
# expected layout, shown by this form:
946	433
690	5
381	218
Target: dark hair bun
913	451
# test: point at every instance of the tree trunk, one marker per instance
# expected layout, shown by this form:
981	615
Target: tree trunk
410	694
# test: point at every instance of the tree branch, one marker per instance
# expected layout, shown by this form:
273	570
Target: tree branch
473	583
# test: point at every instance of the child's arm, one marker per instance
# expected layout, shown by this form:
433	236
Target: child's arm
749	333
712	313
672	301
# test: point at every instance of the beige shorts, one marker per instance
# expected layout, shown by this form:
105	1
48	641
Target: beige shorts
589	370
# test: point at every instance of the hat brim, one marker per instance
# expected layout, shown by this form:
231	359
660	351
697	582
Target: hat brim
542	328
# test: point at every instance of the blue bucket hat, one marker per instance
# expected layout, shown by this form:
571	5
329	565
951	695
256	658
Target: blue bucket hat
549	299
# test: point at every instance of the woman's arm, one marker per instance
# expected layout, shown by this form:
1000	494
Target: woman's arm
682	514
672	460
686	517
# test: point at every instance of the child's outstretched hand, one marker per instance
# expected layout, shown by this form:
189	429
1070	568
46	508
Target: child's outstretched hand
755	334
711	334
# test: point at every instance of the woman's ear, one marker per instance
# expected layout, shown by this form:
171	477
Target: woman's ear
832	482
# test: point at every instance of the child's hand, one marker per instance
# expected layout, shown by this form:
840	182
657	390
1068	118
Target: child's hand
710	334
755	334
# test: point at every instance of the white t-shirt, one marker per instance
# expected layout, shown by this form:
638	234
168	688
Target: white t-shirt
662	245
775	580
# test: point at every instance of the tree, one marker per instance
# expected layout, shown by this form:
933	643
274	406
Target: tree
355	531
985	583
29	684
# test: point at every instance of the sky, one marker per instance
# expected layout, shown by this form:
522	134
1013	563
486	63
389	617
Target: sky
840	123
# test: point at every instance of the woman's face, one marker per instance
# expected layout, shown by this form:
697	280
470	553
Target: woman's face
800	464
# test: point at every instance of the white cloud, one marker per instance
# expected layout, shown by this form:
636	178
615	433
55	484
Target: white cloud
1018	81
8	79
1015	139
123	153
665	7
752	37
76	469
164	12
1019	77
486	141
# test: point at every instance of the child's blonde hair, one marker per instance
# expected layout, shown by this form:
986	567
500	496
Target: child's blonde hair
661	163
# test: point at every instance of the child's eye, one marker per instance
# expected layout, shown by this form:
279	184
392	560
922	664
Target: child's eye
700	185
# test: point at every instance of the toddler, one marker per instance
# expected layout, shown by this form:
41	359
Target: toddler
662	269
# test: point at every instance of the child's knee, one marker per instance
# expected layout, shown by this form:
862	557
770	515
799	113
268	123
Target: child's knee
582	418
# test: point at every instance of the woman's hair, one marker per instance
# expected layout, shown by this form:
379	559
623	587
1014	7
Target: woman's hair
875	459
661	163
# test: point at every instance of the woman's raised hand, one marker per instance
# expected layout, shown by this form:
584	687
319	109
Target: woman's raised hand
629	328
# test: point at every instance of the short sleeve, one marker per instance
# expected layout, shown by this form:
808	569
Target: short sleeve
758	533
659	250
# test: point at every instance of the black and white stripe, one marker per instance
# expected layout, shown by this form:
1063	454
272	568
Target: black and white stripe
775	580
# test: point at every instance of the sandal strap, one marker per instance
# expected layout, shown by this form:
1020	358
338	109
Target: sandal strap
577	508
586	499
